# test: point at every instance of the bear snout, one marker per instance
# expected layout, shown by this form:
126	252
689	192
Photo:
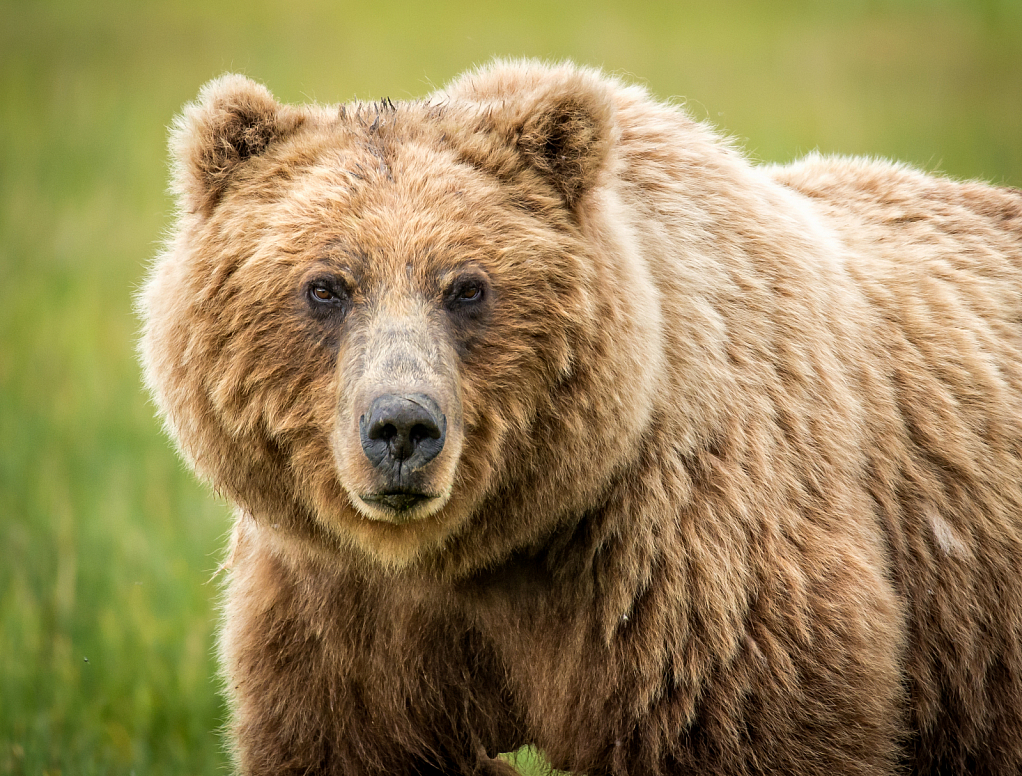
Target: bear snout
401	434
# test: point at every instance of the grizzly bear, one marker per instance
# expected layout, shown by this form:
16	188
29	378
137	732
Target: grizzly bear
551	420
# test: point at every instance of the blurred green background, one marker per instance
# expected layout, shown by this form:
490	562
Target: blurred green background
106	542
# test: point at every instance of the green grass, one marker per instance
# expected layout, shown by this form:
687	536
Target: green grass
106	542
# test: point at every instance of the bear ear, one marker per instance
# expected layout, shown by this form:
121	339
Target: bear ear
559	118
233	120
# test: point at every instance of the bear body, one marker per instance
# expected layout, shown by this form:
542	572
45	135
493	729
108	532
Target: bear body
551	420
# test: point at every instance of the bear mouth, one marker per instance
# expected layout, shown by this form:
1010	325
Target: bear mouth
400	501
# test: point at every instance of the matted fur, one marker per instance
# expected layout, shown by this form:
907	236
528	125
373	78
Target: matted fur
733	473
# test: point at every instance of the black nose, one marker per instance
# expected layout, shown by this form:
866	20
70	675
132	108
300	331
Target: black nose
407	430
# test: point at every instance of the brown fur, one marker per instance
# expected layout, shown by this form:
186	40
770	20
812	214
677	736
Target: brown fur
732	479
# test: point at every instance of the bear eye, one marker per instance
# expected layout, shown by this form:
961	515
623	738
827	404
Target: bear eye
325	294
470	293
466	293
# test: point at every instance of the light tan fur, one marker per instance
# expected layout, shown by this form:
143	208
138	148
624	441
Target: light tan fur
732	475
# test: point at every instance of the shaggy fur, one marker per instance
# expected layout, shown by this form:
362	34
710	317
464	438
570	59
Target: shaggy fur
731	480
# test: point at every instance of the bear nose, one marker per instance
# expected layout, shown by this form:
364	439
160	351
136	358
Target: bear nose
408	430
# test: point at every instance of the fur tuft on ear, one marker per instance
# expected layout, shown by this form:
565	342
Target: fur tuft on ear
559	117
233	120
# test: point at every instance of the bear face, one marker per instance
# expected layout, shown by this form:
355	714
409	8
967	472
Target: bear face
371	318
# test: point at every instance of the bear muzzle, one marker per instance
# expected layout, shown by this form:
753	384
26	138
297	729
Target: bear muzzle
401	435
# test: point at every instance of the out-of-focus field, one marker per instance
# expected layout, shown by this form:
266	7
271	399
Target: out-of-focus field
106	542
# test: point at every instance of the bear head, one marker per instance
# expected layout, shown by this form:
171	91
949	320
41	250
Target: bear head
420	330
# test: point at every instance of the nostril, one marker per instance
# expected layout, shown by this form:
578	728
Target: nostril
422	431
381	428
